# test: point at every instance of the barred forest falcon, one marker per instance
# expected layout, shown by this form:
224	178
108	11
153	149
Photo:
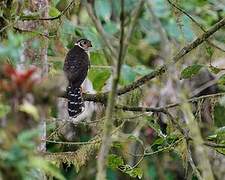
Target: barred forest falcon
75	68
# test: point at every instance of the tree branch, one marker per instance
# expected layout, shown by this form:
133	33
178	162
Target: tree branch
200	151
164	109
140	108
214	145
108	123
35	32
79	157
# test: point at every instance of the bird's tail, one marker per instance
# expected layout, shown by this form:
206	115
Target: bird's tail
75	101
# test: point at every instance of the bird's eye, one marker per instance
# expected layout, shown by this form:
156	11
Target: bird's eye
84	42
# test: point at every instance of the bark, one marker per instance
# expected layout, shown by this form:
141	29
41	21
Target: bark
37	55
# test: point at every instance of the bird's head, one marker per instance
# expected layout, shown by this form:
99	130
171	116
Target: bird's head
85	44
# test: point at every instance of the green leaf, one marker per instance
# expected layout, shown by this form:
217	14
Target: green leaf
160	8
209	51
26	138
128	75
13	47
31	15
98	58
221	150
98	77
159	141
135	172
103	9
214	69
67	32
111	27
172	29
221	131
53	12
47	167
212	137
191	71
219	113
91	34
219	135
187	28
4	109
117	145
221	80
142	70
114	161
55	2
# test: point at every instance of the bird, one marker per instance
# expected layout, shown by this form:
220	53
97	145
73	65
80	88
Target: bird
76	67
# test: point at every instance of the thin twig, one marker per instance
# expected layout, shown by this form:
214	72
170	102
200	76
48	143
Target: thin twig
195	99
73	143
30	31
140	108
165	148
56	130
206	85
214	145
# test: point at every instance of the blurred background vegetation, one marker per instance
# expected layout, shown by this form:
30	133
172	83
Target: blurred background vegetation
36	141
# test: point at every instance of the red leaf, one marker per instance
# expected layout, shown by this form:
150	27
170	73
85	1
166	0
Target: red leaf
26	75
9	70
